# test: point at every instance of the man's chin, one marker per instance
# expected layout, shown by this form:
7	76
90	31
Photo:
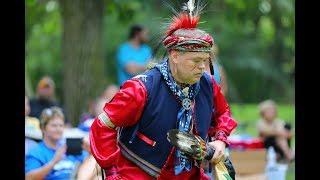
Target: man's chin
193	81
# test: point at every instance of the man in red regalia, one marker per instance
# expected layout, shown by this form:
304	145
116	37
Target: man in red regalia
128	140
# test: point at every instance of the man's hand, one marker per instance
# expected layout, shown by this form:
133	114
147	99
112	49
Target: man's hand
201	151
219	147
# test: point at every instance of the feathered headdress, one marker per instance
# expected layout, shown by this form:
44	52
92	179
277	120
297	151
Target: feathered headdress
182	32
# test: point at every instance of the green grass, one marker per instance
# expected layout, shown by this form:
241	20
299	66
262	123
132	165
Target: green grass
291	172
247	116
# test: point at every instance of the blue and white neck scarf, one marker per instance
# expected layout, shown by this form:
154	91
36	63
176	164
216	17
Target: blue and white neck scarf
184	117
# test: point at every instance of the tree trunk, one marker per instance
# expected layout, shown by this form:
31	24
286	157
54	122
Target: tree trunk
82	54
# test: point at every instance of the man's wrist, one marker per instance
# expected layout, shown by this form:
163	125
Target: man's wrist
112	170
221	136
103	117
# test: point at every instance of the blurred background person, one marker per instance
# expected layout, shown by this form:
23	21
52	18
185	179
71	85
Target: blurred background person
105	97
109	92
86	118
48	160
274	131
221	77
32	128
218	70
45	98
96	107
133	55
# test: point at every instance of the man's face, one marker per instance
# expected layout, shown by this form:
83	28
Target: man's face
144	36
46	92
190	66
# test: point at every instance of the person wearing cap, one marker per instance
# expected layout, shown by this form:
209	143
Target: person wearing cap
45	98
129	139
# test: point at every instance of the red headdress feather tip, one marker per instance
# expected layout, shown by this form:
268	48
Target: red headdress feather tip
182	21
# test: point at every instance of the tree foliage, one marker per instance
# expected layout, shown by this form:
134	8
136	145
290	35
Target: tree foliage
256	41
43	42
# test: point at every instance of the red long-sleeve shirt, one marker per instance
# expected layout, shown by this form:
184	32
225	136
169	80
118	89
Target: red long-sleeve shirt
124	110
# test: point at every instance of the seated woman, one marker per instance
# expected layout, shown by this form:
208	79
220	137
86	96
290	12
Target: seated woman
273	131
48	160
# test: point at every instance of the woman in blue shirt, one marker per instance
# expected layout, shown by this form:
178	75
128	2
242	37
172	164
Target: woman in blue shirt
48	160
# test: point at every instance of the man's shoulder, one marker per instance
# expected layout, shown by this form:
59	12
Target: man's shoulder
124	46
146	76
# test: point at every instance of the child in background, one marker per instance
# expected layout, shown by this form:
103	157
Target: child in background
274	131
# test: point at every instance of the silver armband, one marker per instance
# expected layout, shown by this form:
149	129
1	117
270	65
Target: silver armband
103	117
